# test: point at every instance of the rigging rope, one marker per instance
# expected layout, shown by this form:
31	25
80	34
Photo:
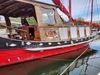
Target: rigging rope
65	11
76	59
88	8
81	70
85	5
97	9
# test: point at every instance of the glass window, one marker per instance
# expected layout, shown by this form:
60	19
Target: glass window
15	22
48	15
31	21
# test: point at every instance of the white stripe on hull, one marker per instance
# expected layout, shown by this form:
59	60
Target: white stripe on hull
55	47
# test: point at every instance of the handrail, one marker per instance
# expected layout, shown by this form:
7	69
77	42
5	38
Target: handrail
20	29
13	28
10	30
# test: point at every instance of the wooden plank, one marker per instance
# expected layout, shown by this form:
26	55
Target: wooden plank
20	6
10	7
38	15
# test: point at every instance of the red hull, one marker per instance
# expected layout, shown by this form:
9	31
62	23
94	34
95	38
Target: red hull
12	56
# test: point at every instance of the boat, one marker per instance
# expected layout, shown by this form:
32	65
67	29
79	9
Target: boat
42	32
49	65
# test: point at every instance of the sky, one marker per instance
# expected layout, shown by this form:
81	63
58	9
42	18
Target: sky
80	8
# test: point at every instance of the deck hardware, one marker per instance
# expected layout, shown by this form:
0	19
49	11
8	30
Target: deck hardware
49	43
41	44
7	44
72	42
12	45
28	43
58	43
65	42
22	43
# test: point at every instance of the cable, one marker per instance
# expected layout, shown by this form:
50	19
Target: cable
97	9
75	60
88	8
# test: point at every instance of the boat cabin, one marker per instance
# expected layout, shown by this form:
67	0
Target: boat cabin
38	22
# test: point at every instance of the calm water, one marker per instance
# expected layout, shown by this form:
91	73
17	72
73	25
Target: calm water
88	64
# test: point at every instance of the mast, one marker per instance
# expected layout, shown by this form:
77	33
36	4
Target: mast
70	19
91	14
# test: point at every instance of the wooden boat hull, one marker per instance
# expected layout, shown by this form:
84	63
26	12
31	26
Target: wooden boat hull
16	51
17	55
32	67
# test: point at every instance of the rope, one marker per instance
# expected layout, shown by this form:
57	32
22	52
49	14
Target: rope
85	8
84	67
88	64
97	9
88	9
75	60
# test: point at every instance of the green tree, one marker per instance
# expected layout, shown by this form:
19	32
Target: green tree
79	23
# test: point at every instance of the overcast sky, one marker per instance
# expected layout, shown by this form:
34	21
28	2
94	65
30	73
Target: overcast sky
81	8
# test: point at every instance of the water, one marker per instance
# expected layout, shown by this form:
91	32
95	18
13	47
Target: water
95	45
88	64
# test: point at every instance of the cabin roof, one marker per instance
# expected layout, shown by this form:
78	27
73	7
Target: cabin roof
15	8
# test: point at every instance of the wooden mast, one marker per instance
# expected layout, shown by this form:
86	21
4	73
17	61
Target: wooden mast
70	20
91	15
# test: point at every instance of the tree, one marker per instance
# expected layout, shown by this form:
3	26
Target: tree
78	23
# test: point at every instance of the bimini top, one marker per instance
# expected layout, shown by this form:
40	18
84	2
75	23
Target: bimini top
15	8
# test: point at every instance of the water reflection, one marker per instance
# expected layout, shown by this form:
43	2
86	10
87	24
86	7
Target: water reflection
95	44
53	65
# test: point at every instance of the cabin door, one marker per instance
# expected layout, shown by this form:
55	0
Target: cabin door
31	33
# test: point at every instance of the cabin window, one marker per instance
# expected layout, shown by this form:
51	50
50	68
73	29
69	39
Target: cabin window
48	15
31	21
15	22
